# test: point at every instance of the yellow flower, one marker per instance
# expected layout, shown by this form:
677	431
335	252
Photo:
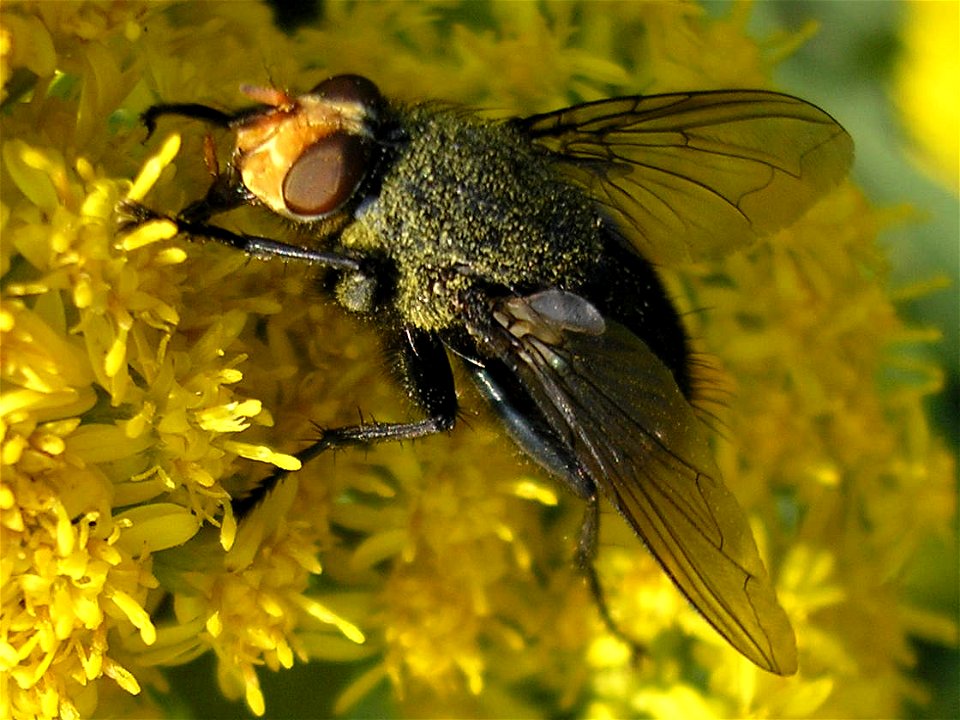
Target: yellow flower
928	86
147	380
118	408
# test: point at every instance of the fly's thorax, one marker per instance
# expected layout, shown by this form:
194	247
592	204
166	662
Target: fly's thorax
356	291
466	201
430	297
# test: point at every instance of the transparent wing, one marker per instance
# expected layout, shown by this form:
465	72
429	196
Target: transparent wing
630	427
692	175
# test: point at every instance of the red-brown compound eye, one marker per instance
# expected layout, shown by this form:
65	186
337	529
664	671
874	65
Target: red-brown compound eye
326	174
351	89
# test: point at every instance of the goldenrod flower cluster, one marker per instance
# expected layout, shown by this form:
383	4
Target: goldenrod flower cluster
146	380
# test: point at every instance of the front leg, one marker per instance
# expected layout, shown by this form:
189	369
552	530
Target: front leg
424	370
136	214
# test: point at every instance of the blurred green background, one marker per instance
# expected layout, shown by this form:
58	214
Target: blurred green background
851	66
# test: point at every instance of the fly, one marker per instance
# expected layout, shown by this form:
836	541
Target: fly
526	248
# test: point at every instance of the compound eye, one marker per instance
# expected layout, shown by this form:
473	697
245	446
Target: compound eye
326	175
351	89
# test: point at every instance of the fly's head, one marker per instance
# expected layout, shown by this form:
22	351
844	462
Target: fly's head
310	157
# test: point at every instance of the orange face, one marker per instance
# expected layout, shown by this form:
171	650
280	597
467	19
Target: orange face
305	157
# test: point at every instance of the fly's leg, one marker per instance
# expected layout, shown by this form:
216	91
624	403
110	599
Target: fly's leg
194	111
254	245
586	554
338	438
424	369
531	428
227	191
